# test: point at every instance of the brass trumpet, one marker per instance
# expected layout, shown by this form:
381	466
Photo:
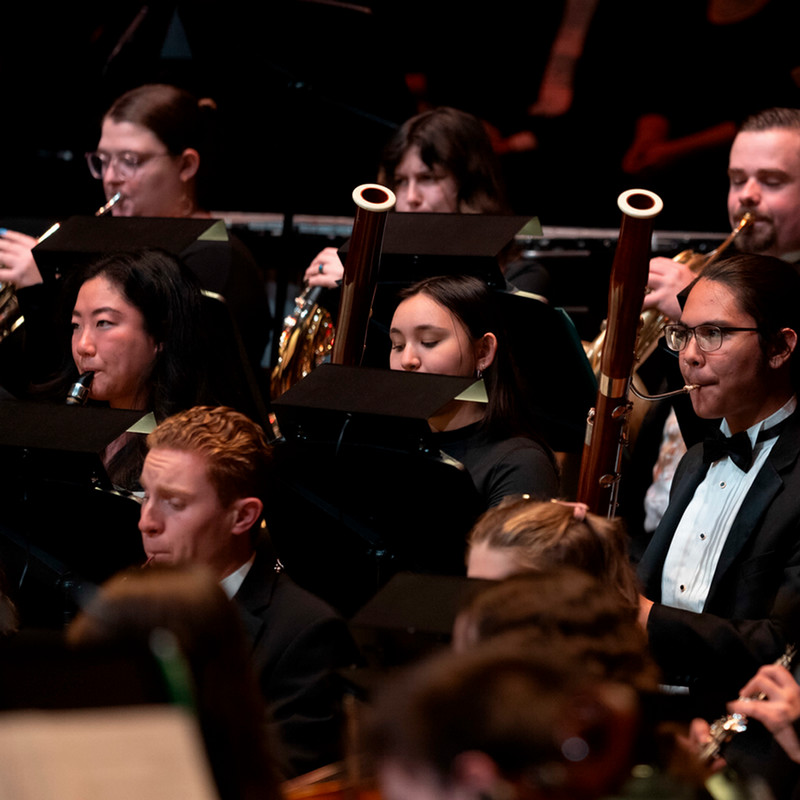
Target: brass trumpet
652	321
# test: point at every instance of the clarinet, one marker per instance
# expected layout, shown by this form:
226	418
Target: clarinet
78	393
725	728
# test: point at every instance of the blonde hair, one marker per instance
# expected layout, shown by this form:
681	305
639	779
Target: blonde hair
541	535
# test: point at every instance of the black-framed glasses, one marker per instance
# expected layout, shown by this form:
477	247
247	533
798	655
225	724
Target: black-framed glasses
127	162
708	337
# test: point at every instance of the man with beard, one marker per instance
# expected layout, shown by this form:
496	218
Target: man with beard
764	175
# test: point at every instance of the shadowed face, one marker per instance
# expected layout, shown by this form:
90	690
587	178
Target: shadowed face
158	187
182	518
419	187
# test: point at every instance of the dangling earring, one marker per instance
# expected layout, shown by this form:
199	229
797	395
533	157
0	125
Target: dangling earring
478	373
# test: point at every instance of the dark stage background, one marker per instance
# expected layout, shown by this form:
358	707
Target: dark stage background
308	91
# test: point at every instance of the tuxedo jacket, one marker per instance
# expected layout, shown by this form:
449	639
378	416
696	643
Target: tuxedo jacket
751	609
298	644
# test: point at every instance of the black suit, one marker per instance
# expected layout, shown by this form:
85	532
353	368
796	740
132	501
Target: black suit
298	644
755	586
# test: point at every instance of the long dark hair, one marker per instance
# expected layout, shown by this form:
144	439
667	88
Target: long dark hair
471	302
168	297
458	142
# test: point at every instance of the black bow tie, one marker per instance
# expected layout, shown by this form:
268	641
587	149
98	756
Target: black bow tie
736	447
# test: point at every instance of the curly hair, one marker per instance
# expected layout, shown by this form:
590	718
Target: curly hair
235	448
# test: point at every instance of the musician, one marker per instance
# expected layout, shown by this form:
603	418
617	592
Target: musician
521	535
445	325
500	721
187	602
439	161
136	324
764	179
565	605
206	479
723	567
154	141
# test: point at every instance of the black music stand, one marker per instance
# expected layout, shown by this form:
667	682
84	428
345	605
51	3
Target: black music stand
422	245
80	240
558	383
557	380
417	246
361	491
64	526
410	616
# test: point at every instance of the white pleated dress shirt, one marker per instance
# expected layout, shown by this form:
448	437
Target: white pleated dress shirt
700	536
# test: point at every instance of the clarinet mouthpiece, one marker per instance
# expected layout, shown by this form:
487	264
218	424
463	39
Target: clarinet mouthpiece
79	391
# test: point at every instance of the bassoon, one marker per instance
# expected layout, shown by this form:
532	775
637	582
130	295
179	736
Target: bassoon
373	202
606	427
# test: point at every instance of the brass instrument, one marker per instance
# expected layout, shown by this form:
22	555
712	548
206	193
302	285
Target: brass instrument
653	321
606	428
305	342
308	337
10	313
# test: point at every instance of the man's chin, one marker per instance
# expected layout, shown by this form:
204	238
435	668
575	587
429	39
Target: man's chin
756	241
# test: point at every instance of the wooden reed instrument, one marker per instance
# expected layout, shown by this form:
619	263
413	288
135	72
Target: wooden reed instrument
606	425
373	202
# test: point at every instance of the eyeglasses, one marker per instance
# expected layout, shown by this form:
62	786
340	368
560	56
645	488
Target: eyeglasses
127	162
708	337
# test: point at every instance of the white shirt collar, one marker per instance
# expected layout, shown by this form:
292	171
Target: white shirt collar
785	411
232	583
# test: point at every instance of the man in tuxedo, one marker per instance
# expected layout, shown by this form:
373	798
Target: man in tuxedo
764	181
721	575
206	479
